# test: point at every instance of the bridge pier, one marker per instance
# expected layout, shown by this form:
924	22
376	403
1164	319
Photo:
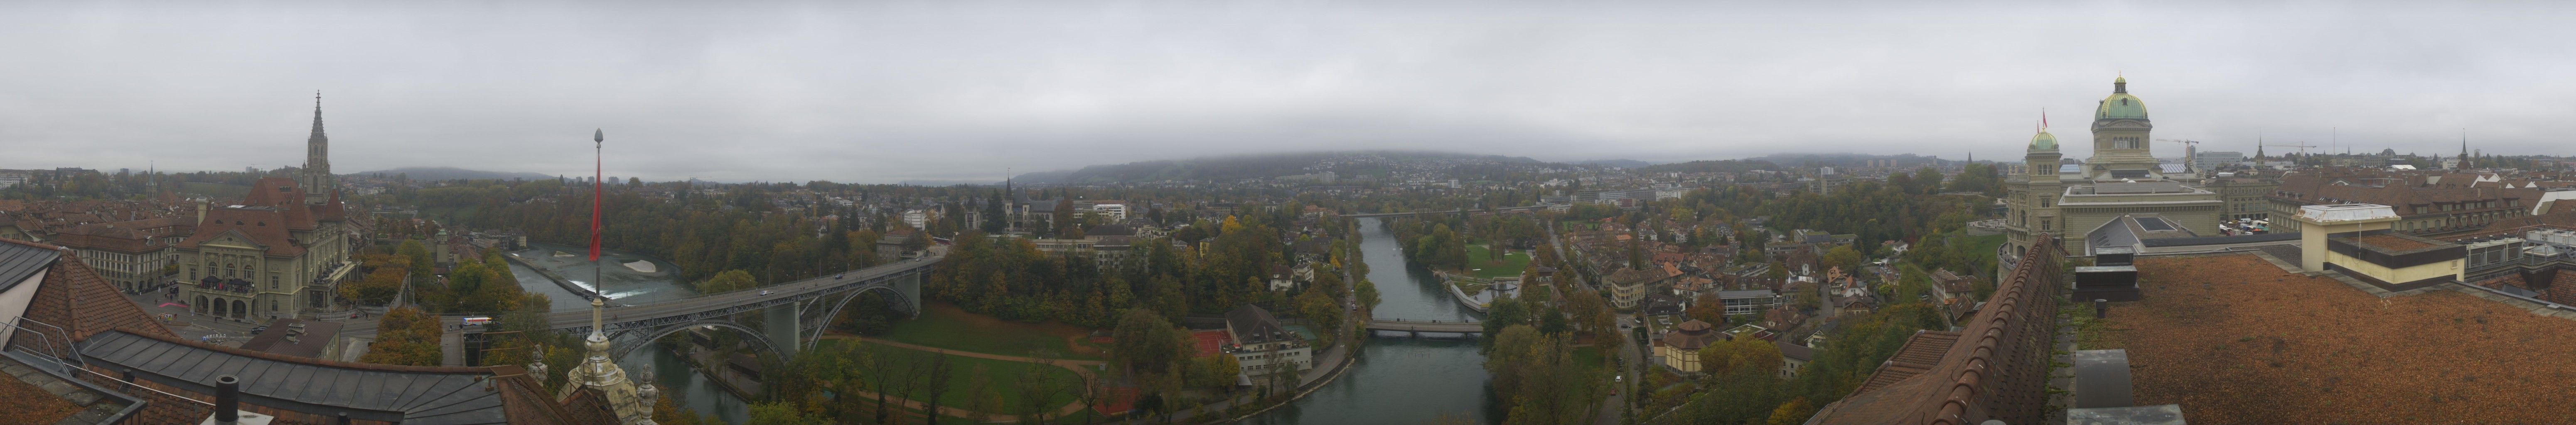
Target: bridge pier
781	324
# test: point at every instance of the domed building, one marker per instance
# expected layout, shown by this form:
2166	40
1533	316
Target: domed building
2121	185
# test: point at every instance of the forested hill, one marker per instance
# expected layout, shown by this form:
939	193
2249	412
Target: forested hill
453	173
1713	166
1223	168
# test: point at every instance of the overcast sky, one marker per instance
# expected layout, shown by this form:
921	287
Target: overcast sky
890	91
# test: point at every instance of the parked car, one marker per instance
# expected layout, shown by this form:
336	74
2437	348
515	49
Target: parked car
257	330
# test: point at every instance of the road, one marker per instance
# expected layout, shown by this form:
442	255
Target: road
1611	408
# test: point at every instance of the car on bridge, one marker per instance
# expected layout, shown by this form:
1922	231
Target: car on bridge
764	292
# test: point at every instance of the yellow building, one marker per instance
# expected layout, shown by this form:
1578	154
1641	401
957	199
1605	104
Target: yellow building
2121	178
2356	239
1680	348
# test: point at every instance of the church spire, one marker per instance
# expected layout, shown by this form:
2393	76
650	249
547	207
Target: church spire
316	178
2464	150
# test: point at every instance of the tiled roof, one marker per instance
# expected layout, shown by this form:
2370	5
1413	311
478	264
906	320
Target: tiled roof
75	298
1994	368
265	226
1920	353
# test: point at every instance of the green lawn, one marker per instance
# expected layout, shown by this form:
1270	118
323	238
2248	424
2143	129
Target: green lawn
1589	356
946	326
1482	264
1002	377
1984	244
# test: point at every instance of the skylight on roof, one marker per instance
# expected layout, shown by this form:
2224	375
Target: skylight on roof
2154	224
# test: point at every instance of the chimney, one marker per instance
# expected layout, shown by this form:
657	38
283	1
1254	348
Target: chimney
228	405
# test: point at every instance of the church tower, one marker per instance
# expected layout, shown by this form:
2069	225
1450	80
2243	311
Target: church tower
2120	128
318	183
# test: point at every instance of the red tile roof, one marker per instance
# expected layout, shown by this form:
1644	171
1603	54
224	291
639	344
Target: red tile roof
74	297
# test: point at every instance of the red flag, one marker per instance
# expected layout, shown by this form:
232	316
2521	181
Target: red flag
596	137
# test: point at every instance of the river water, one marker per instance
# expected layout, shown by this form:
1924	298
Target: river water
627	286
1397	380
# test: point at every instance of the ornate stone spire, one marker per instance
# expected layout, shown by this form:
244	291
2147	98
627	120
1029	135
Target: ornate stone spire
597	372
317	180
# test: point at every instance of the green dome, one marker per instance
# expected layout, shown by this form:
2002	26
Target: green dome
2043	141
2121	105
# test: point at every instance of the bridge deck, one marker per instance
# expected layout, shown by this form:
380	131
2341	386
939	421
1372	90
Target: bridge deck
646	313
1398	325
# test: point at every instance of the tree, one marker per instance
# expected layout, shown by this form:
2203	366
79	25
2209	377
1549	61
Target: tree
781	413
730	280
667	412
1740	353
1591	312
1707	308
1145	343
406	336
935	383
1842	256
1794	412
1038	387
1500	316
1319	307
1216	370
420	260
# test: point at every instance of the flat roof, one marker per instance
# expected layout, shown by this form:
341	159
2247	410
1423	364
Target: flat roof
2347	212
307	341
2235	339
2151	186
370	392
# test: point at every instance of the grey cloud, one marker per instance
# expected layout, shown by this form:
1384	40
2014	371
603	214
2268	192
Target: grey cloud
888	91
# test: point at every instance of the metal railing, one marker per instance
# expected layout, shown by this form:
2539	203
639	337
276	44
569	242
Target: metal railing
63	351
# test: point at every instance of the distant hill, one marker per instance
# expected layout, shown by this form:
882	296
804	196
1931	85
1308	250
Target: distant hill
1621	163
1847	159
1714	166
452	173
1240	167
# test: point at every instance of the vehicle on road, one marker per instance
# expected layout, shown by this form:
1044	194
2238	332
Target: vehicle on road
478	320
257	330
764	292
838	276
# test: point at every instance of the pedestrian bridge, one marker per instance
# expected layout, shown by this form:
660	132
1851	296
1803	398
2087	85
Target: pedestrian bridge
1420	326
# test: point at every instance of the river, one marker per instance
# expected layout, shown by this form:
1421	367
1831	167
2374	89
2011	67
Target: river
1396	380
627	286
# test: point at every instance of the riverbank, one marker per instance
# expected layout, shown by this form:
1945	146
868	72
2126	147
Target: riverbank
551	276
1395	381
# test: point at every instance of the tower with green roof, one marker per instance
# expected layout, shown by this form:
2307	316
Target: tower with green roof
2120	139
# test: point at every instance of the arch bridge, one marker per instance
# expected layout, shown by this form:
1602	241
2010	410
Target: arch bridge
806	306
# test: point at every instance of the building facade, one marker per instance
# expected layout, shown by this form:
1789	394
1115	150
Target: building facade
281	252
129	254
2121	178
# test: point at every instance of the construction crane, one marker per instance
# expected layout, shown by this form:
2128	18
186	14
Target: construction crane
2303	147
